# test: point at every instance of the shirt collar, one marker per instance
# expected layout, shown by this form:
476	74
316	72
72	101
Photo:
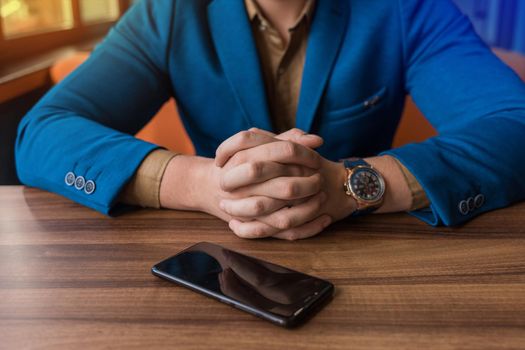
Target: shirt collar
254	12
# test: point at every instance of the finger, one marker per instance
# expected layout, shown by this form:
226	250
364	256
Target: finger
307	230
263	132
290	217
252	229
295	135
286	152
252	207
256	172
301	137
238	142
287	188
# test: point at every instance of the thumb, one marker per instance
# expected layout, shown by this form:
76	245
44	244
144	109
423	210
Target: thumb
295	135
302	138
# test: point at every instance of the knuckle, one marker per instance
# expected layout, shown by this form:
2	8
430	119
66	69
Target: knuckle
258	207
254	170
295	132
238	158
296	170
223	184
258	232
243	232
316	182
313	156
245	135
289	149
218	151
317	158
318	204
283	222
293	236
306	171
290	190
238	234
293	170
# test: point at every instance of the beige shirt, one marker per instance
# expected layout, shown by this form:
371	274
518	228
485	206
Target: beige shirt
282	63
282	67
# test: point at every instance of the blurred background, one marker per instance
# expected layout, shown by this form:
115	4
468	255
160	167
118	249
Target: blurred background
43	40
501	23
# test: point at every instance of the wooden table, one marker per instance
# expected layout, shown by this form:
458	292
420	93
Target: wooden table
72	278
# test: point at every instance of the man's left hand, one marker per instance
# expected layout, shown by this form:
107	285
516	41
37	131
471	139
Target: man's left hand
306	219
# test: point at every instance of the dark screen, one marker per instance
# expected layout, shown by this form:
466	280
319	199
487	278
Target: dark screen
250	281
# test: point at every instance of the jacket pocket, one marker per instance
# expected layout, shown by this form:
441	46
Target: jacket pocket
371	104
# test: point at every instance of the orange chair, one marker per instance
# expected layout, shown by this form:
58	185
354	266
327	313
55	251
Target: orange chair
162	128
413	126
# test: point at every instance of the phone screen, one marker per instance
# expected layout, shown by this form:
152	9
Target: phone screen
273	292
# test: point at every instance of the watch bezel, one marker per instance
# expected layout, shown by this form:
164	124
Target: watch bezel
350	190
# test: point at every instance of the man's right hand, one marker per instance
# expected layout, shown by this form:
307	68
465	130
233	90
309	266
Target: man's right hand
196	183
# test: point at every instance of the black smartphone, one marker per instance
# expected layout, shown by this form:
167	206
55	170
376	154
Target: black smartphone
272	292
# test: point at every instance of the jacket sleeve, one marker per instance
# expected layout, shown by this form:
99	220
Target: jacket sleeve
84	125
476	103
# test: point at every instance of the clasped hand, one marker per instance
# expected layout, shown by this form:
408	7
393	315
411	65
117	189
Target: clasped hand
278	185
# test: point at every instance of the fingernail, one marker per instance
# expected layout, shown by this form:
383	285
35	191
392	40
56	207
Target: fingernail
327	222
311	136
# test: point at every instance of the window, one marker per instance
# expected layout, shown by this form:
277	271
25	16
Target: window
31	27
99	10
499	23
24	17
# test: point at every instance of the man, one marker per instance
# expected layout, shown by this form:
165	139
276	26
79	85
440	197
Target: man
244	74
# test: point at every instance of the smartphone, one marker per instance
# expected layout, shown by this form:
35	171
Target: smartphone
277	294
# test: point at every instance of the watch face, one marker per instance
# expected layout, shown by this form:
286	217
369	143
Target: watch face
367	184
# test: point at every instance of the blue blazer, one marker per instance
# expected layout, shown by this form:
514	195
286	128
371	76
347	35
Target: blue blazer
202	53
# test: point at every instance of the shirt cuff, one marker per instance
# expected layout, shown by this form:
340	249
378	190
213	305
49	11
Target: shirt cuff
419	197
144	188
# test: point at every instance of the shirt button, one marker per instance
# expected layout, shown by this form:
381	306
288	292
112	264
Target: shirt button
80	182
70	179
90	187
463	207
471	204
479	200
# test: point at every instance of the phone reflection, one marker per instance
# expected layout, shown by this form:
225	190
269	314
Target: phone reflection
250	281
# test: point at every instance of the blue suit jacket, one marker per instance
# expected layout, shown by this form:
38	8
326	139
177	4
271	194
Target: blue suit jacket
202	53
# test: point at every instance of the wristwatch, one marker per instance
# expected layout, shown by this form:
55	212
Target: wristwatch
365	184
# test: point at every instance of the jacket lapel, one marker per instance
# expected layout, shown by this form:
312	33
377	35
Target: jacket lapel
326	33
233	39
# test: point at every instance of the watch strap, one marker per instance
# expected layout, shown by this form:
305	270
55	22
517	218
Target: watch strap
363	212
354	162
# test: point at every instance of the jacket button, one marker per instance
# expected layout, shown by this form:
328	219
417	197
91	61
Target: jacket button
90	187
471	204
80	182
463	207
70	179
479	200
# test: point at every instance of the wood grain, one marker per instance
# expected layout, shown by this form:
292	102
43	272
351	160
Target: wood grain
73	278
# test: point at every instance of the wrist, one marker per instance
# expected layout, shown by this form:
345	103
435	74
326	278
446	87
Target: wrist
345	205
181	185
397	196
